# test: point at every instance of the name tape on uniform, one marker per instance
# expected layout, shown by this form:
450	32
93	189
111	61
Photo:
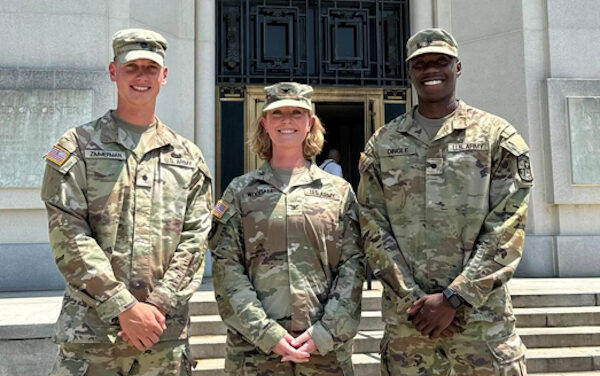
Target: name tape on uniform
176	161
260	191
105	154
467	146
320	193
404	150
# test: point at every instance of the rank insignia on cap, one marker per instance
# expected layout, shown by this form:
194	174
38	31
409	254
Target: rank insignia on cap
57	155
220	209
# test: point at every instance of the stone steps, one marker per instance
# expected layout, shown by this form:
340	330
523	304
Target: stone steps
557	316
583	361
371	320
559	322
564	359
525	293
367	341
582	373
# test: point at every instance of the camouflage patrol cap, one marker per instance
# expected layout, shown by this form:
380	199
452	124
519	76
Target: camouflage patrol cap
291	94
431	41
132	44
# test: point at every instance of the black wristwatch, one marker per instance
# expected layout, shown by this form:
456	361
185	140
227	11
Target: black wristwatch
452	297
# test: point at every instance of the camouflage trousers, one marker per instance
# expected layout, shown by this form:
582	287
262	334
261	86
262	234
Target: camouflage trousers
258	364
405	352
105	359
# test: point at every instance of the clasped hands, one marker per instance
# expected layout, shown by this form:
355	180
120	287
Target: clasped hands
433	316
297	349
141	325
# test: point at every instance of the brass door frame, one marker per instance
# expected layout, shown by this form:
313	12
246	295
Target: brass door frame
253	98
219	136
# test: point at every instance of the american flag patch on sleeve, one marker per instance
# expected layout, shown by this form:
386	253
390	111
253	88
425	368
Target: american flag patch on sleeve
220	209
57	155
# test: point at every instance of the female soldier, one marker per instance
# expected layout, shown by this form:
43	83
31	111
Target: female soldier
287	264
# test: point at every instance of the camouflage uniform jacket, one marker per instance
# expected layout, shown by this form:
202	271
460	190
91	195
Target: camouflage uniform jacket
288	261
124	229
447	212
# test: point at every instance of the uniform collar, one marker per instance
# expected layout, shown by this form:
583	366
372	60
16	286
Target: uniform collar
111	133
460	120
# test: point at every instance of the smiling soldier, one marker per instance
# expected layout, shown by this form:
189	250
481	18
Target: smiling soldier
444	192
128	204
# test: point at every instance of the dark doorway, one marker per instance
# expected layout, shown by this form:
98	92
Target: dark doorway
344	124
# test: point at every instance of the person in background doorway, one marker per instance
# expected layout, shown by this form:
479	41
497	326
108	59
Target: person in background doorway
331	164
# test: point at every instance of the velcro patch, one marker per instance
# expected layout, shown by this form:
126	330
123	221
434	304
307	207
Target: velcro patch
57	155
105	154
181	162
467	146
219	209
320	193
403	150
364	162
259	192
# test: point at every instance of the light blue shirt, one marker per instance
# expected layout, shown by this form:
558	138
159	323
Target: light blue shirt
333	168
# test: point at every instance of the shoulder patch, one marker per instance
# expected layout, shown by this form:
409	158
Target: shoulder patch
220	209
57	155
205	170
364	162
524	168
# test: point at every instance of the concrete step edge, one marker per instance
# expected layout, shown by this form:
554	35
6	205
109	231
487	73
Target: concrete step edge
535	331
563	352
556	310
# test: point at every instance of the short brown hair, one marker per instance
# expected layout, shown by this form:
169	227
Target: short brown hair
260	142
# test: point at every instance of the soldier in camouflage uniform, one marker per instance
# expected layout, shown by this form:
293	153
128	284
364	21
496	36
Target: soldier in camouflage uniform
128	204
287	264
444	192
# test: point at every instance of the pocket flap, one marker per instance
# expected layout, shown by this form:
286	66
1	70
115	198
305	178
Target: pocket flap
508	349
515	144
65	366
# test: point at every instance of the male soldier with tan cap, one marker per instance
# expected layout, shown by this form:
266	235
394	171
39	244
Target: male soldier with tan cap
128	204
444	192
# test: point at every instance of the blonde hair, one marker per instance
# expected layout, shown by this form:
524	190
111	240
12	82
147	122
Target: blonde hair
260	143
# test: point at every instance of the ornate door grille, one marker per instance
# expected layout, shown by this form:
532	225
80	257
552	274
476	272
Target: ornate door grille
320	42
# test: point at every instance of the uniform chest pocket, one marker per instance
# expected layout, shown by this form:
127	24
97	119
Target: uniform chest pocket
264	224
321	215
105	170
399	160
400	171
470	164
175	174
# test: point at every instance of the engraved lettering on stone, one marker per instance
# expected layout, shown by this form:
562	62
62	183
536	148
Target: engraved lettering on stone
31	121
584	128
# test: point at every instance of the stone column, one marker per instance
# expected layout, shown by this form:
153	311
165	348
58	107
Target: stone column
204	109
421	15
204	112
